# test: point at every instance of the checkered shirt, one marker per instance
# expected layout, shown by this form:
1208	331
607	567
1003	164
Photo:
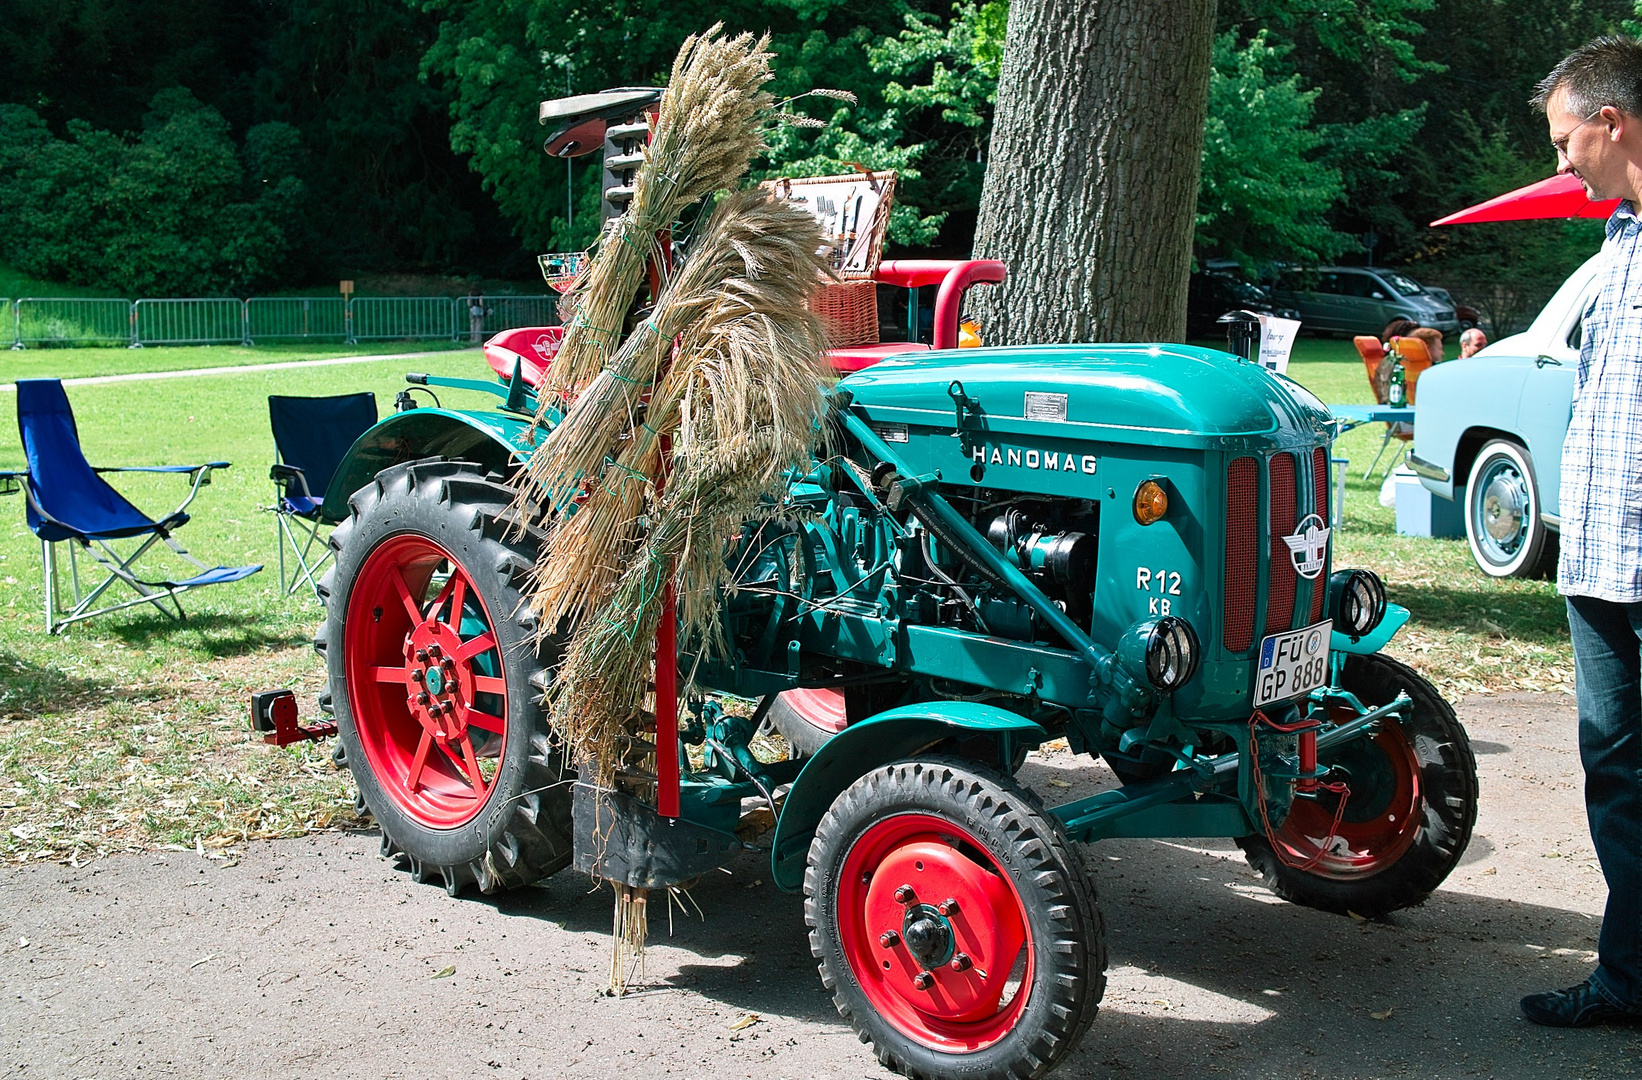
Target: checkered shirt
1601	498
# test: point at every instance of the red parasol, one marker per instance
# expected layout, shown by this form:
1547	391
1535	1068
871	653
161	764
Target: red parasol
1558	197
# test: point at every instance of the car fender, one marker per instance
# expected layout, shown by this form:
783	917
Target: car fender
1547	407
1455	401
496	440
872	743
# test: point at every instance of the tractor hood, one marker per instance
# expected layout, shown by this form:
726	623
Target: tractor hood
1171	395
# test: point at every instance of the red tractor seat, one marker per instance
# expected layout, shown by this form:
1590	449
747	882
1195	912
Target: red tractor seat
531	347
857	357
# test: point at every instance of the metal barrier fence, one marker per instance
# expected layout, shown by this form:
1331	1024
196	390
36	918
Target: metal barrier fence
482	316
376	318
282	318
188	322
75	321
53	320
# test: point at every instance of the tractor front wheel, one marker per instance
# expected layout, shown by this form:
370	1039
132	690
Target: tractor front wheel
431	655
1410	805
953	923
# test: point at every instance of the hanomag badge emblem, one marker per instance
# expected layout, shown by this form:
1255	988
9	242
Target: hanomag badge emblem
1308	547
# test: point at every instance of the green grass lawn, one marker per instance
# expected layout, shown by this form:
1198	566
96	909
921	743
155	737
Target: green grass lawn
130	731
70	363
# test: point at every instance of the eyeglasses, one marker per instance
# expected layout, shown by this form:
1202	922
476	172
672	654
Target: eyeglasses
1561	145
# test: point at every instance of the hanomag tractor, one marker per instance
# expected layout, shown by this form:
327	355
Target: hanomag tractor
1122	546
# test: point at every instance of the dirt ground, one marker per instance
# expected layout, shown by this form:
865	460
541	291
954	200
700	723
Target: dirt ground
314	957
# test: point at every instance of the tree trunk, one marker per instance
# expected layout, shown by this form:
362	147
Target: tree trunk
1091	189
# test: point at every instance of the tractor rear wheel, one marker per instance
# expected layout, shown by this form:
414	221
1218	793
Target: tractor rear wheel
431	655
808	718
953	923
1408	816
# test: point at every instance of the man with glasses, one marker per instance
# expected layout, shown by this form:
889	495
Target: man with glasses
1593	103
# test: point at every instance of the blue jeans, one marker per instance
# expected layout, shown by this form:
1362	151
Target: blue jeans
1607	640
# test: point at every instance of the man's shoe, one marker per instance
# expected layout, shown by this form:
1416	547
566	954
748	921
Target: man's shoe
1577	1006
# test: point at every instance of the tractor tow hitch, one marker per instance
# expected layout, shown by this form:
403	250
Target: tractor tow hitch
274	717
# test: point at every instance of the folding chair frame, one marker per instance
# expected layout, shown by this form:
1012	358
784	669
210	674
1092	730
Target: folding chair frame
1396	459
312	436
117	567
298	530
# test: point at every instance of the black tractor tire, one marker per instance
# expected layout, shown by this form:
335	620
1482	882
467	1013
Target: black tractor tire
514	827
1398	863
1015	868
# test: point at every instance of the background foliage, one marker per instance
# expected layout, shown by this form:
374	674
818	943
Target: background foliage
399	135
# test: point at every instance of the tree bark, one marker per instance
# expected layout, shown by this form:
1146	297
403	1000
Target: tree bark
1091	187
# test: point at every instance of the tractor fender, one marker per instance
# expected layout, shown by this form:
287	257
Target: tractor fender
1375	639
860	748
495	440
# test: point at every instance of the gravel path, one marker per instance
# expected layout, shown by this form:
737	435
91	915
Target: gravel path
313	957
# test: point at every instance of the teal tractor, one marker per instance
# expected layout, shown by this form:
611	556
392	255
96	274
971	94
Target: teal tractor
1125	547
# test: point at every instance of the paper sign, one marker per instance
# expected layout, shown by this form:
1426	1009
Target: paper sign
1277	341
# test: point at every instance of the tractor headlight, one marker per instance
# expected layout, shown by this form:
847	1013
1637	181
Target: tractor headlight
1171	653
1356	601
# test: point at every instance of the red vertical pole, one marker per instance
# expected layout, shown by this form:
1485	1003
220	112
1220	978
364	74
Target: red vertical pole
667	707
1308	760
667	771
667	683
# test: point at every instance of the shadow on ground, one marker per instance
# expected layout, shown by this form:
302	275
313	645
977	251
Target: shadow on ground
220	636
1527	616
1208	972
28	688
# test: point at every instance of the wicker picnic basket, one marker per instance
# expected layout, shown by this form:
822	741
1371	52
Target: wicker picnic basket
848	307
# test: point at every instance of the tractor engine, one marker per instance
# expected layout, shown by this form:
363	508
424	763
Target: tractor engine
1165	504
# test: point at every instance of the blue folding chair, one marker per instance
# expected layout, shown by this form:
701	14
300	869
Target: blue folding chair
311	436
69	502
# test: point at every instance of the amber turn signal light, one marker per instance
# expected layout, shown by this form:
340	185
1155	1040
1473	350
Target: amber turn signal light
1151	502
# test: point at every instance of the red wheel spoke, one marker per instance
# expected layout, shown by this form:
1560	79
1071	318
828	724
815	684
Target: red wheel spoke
456	760
444	592
473	647
458	596
484	721
390	674
414	780
397	576
489	684
475	777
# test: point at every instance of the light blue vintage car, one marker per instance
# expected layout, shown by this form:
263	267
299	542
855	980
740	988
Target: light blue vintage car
1489	433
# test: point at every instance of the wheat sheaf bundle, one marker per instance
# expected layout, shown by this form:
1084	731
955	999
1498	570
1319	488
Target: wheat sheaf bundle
706	131
739	403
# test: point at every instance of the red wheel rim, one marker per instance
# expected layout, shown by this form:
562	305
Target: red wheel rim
979	983
426	683
822	708
1382	815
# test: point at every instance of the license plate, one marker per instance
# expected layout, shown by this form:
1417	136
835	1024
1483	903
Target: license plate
1292	663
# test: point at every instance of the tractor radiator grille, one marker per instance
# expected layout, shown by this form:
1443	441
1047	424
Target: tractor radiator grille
1285	516
1292	494
1242	553
1319	504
